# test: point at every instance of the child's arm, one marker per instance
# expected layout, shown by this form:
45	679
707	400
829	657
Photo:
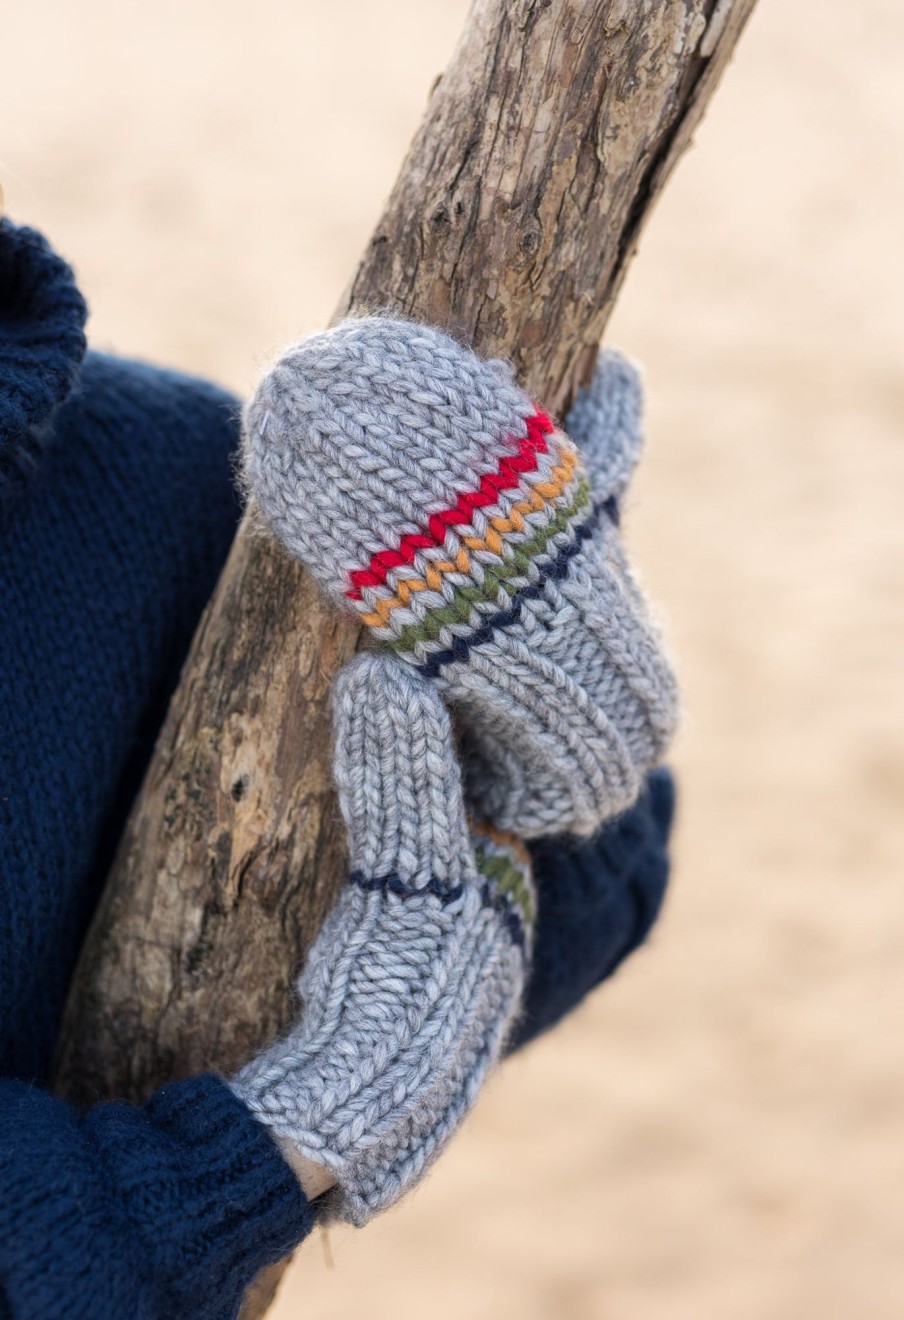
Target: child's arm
115	513
161	1212
167	1211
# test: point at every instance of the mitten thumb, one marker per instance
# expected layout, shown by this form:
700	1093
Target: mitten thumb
397	774
606	423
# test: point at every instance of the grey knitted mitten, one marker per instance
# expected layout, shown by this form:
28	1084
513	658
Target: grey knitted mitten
415	978
425	491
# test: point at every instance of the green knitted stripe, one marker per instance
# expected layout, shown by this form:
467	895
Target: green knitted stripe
510	877
460	608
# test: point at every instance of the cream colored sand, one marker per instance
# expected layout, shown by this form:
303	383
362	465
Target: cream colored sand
719	1135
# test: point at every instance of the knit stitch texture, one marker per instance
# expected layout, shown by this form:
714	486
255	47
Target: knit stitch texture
116	512
100	588
414	981
41	347
159	1213
427	493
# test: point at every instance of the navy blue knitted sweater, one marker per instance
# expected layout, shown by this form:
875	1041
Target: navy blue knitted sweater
116	512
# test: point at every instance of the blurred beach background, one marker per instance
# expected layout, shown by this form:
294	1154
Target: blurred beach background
718	1134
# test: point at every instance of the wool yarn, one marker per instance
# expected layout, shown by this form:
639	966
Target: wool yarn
165	1211
413	983
42	343
597	899
117	510
427	493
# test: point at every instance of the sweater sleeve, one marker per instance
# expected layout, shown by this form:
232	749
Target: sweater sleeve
153	1213
597	901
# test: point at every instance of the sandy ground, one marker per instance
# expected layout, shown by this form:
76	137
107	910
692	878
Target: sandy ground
719	1135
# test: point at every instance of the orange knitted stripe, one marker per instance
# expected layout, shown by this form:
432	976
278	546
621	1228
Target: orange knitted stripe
503	839
540	495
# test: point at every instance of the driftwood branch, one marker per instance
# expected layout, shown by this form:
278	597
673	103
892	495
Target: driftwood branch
542	150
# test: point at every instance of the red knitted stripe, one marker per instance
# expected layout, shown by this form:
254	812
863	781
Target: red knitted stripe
508	474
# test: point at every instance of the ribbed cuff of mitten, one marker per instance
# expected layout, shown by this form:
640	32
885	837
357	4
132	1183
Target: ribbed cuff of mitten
407	1000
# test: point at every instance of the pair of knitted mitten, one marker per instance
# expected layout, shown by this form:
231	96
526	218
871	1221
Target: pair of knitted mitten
480	543
413	983
427	494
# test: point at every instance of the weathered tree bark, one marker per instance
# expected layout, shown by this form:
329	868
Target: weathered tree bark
541	152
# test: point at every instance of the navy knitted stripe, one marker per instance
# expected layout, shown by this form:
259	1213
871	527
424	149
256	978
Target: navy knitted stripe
491	898
462	647
403	889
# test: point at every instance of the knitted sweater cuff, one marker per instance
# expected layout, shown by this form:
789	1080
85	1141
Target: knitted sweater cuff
160	1212
226	1202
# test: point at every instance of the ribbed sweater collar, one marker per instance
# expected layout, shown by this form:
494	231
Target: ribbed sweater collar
42	343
